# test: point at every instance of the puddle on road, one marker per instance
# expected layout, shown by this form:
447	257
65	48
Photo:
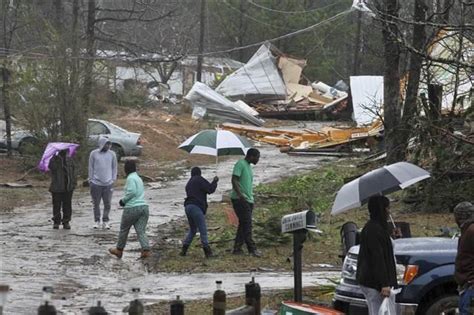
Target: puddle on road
76	264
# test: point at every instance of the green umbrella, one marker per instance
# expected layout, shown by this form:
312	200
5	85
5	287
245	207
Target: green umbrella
216	143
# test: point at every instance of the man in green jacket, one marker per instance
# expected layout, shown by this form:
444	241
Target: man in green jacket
135	212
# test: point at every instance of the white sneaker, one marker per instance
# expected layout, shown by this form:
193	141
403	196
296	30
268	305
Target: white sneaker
106	225
96	225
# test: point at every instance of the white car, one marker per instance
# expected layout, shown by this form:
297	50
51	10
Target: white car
124	143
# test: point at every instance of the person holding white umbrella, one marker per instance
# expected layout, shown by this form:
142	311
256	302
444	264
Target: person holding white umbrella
376	271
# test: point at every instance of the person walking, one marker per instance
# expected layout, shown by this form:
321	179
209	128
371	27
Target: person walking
195	206
102	175
464	264
63	183
243	202
376	271
135	212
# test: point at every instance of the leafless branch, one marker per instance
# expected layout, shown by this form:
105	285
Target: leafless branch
139	19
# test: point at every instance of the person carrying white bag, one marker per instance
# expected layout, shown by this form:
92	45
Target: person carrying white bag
388	306
376	271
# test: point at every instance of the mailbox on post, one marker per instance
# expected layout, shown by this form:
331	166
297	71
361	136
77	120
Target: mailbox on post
304	220
298	224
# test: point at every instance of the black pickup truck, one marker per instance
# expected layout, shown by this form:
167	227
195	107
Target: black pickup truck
425	271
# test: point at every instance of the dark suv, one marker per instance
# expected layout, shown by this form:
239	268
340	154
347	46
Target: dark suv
425	272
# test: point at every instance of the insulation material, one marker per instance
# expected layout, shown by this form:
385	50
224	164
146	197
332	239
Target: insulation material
298	92
327	91
291	69
320	99
258	78
367	98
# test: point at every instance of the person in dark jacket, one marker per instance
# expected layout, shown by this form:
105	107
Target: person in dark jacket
195	206
376	271
63	183
464	272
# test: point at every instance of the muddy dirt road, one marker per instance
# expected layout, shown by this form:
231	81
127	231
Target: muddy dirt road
76	262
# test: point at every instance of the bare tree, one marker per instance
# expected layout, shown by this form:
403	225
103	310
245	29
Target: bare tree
10	23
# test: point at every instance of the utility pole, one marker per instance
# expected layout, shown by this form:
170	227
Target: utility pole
241	30
358	45
201	41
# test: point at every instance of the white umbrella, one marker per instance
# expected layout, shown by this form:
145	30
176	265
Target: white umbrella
216	143
380	181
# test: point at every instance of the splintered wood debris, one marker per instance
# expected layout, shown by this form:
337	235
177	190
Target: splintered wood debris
306	139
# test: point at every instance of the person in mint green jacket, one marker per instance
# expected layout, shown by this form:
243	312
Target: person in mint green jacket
135	212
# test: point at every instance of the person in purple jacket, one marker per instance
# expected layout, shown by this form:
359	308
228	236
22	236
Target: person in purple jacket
195	206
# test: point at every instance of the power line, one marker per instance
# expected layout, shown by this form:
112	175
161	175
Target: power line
306	29
251	17
290	12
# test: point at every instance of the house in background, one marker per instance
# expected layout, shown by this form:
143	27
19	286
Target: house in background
116	67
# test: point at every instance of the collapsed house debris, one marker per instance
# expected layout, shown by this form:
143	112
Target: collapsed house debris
207	101
309	140
271	83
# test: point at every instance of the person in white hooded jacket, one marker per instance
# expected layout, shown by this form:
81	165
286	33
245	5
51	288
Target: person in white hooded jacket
102	175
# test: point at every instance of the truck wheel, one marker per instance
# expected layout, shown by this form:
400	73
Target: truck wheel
118	151
446	304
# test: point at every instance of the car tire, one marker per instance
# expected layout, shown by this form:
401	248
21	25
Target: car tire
446	304
118	151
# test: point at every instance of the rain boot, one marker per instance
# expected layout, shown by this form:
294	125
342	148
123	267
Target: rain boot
208	252
184	250
116	252
145	254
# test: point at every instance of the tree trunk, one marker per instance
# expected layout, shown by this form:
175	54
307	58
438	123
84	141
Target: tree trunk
357	44
6	106
459	54
74	70
201	41
241	35
89	65
61	68
7	35
416	61
392	112
165	70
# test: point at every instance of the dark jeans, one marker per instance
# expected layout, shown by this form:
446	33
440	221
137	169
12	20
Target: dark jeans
243	210
62	201
465	300
197	221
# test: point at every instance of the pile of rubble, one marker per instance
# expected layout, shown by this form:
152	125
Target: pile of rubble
270	84
325	140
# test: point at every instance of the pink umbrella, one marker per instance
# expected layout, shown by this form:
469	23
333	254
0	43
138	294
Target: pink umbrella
52	149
